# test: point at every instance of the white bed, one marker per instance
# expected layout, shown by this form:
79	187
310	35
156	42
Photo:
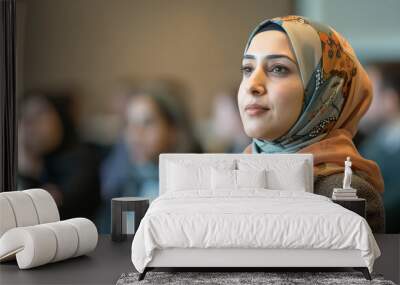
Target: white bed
240	210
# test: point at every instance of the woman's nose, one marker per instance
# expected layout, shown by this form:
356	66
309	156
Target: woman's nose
256	84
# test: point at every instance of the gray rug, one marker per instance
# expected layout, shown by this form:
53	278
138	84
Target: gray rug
225	278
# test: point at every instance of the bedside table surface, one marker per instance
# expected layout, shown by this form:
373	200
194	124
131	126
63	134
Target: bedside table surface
130	199
351	199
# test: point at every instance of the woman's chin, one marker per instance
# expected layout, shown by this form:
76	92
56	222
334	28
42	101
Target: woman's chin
254	133
259	134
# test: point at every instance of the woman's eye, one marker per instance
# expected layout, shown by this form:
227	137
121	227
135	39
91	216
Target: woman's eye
279	69
246	70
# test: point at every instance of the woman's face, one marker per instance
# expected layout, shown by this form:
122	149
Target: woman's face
148	132
40	127
271	92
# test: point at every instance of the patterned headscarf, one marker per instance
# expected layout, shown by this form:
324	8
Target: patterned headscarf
337	93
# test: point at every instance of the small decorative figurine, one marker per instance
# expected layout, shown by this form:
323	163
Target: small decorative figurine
347	174
347	192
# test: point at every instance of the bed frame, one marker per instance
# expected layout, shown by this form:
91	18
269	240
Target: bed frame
246	258
242	259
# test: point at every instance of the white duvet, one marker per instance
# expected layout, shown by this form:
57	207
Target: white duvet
256	218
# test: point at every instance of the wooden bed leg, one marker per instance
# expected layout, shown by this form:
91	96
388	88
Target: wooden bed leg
364	271
143	274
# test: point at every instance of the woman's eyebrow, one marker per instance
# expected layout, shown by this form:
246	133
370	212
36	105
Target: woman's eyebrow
270	56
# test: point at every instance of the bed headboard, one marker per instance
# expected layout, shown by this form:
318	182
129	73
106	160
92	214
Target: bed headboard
282	163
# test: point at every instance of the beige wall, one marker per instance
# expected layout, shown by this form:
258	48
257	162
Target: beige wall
93	43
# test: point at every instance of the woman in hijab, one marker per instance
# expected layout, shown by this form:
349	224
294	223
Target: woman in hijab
304	91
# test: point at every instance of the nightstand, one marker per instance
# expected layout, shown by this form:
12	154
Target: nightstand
357	205
126	214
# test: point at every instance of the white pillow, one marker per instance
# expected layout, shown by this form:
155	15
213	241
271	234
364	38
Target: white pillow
185	175
296	181
182	178
251	178
282	174
225	179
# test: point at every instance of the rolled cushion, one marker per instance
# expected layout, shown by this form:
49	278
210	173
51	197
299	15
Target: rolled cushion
40	244
33	246
26	208
45	205
87	234
23	208
67	240
7	218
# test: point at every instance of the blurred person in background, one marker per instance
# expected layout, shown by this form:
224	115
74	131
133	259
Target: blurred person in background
155	122
52	156
226	133
383	145
383	106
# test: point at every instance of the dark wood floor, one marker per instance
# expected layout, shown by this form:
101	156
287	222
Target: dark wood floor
389	262
110	260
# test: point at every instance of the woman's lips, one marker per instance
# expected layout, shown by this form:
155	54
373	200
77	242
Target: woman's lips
255	109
